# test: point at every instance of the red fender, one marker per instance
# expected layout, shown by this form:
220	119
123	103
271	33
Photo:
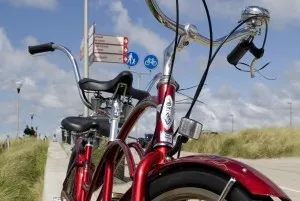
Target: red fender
254	181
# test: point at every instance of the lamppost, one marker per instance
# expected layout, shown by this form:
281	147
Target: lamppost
86	50
231	122
291	113
19	86
37	135
31	117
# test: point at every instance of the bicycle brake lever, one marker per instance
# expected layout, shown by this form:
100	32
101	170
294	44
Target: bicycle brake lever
252	67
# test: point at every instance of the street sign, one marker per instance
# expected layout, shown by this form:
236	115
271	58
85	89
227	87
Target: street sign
111	40
112	49
91	50
91	37
133	59
150	62
106	48
110	58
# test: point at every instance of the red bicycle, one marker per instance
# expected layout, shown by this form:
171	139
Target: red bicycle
159	176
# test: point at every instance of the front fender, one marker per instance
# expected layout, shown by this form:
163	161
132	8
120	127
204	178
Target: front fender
252	180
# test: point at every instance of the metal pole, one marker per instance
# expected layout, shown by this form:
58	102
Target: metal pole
291	114
37	134
8	141
18	114
232	124
137	124
85	50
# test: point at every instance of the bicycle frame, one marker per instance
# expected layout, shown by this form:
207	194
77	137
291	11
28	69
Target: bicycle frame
154	160
156	163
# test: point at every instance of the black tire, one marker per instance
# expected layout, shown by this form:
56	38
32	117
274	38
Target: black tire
197	178
72	159
68	184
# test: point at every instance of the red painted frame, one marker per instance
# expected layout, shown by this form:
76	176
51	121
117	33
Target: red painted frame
83	174
153	161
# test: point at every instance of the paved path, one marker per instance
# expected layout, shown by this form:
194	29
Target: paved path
284	172
56	167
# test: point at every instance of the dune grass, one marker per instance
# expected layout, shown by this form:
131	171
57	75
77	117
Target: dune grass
22	170
250	144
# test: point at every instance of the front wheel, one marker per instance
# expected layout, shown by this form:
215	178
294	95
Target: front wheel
196	184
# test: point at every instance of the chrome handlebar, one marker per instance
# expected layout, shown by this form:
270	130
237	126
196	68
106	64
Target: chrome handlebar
189	32
163	19
193	32
76	71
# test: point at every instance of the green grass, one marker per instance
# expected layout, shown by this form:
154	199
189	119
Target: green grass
22	170
3	145
250	144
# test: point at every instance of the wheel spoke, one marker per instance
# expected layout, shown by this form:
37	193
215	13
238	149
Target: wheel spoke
227	189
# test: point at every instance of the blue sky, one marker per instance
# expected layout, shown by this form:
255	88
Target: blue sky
49	88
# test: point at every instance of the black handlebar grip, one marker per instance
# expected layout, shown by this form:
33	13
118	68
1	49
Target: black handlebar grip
257	52
238	52
46	47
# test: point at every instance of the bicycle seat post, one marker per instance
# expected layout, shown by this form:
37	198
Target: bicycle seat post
115	113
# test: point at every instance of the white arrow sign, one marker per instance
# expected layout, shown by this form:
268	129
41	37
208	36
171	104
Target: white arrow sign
91	51
112	49
91	37
110	58
111	40
90	42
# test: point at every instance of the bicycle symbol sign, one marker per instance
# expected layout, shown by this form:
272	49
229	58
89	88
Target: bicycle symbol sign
132	59
150	62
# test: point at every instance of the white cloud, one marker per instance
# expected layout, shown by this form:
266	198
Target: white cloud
42	4
137	34
226	92
29	82
30	40
51	101
282	12
48	91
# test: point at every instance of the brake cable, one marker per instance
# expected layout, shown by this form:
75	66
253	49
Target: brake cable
200	86
183	139
257	55
258	71
188	88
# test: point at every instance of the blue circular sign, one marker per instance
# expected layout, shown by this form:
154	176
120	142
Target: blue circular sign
132	58
150	62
